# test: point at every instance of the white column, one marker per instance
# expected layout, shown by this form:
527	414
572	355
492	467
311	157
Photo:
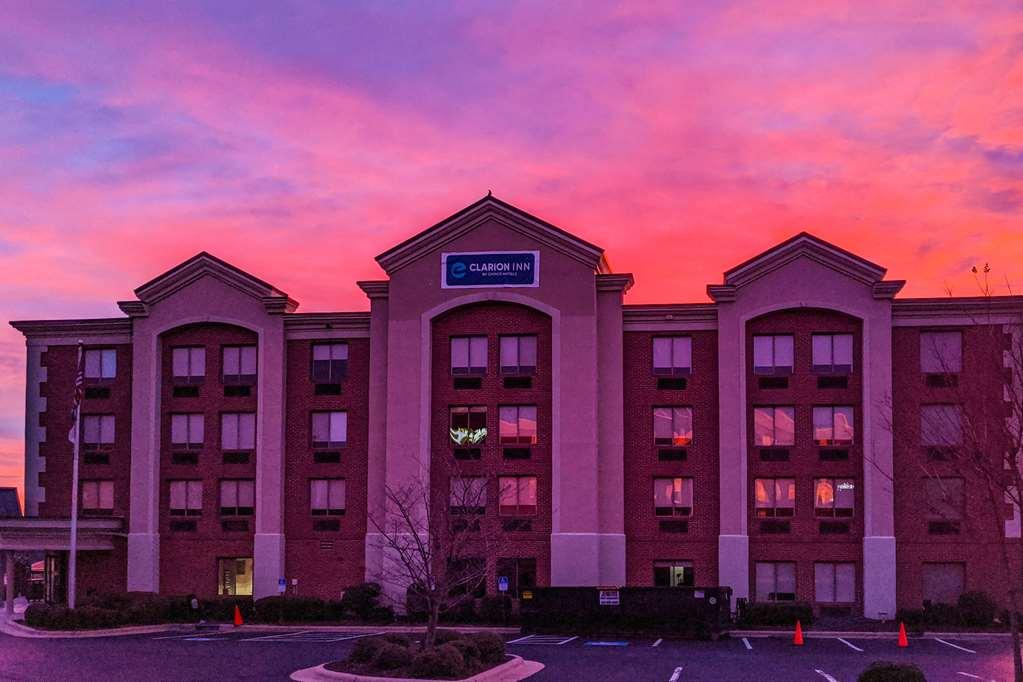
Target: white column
143	529
268	541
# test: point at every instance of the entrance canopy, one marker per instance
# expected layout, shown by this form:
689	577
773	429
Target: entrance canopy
28	534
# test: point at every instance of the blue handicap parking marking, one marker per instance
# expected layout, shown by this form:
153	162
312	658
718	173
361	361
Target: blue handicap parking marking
600	643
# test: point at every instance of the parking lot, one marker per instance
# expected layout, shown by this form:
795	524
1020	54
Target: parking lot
249	654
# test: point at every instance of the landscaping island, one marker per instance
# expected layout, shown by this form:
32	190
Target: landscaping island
454	656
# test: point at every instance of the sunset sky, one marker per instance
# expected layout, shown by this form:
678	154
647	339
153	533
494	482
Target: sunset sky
299	139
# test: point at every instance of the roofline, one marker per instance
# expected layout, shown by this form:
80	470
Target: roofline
804	235
219	261
106	325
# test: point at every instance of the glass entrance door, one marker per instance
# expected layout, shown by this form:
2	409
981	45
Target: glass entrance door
55	578
234	576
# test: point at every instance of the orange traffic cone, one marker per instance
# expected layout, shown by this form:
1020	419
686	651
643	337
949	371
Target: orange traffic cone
797	639
237	616
903	642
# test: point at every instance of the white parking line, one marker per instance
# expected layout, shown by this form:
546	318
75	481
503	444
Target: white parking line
519	640
976	677
657	643
748	645
191	634
955	646
849	644
675	675
567	640
556	640
826	676
312	636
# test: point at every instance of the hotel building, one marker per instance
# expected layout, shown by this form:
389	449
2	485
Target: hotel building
775	439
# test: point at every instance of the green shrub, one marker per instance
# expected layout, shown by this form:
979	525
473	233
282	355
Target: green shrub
884	671
365	649
416	609
362	600
390	656
290	609
470	652
381	614
462	612
495	609
443	636
443	661
397	638
490	646
37	615
333	610
222	609
774	613
976	609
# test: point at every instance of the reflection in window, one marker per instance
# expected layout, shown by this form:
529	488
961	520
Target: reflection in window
517	495
673	426
941	352
832	353
518	424
833	425
834	497
673	496
468	425
772	355
774	426
775	497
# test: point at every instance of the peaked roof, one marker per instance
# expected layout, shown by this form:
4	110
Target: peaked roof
492	208
204	264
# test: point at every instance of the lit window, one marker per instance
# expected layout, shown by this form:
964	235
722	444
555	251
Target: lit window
774	426
941	352
469	355
834	583
237	497
327	496
673	355
673	496
673	426
834	497
189	364
330	362
98	497
237	431
775	497
833	425
468	425
468	495
772	355
100	364
517	495
187	430
98	431
775	581
518	355
518	424
185	498
832	353
330	429
239	365
673	574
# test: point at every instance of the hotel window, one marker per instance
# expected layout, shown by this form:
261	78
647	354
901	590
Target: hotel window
97	497
330	429
944	504
188	364
237	497
834	497
832	353
330	362
774	426
237	431
941	426
517	495
239	365
943	583
518	355
517	424
185	498
469	355
673	426
187	430
234	576
673	574
468	425
772	355
775	581
833	425
673	356
775	497
834	583
101	364
521	574
468	495
327	496
673	496
98	431
941	352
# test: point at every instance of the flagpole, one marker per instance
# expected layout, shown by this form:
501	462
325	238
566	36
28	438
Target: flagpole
72	564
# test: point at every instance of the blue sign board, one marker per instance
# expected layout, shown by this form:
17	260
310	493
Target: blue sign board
502	583
490	269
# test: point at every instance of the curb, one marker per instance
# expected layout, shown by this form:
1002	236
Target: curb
512	671
855	634
415	629
17	630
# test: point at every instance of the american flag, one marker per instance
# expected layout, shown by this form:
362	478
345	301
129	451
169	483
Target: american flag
77	402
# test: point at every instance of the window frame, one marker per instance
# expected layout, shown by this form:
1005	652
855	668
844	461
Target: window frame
469	370
187	510
774	426
518	369
672	369
674	442
186	379
331	484
833	441
933	511
238	431
467	484
327	444
685	490
762	511
775	369
189	444
934	346
832	368
467	440
518	509
518	439
335	372
772	595
99	445
834	565
238	509
822	512
239	379
104	354
99	484
670	565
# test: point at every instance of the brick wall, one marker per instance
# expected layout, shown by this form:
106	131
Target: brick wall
645	542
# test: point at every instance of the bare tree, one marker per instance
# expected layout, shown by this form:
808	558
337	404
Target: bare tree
972	431
436	541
